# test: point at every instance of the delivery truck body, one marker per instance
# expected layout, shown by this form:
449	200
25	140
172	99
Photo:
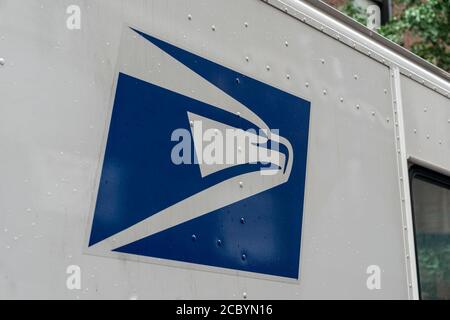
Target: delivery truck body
113	118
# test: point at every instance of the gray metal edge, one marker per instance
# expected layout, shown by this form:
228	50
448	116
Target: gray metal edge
379	38
348	31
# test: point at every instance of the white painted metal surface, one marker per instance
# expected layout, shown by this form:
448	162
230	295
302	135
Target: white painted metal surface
427	125
56	93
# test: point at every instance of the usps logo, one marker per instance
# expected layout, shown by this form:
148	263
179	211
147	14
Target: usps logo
224	216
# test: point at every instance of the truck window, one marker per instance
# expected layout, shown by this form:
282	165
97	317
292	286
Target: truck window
431	209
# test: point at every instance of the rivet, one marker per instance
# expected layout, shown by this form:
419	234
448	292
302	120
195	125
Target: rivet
321	28
194	237
357	106
241	184
405	228
268	68
428	136
242	220
238	114
307	84
244	295
189	17
286	44
355	77
341	99
238	81
191	123
369	53
324	92
247	59
338	37
425	109
213	28
219	243
415	130
304	19
410	285
2	61
387	120
385	91
354	45
288	76
373	113
322	61
244	257
246	24
407	256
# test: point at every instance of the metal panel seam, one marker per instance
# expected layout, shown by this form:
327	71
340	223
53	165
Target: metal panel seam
402	162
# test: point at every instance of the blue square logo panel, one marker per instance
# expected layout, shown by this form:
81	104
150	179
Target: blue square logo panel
156	208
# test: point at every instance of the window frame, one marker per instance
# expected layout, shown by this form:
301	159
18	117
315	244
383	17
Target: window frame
430	176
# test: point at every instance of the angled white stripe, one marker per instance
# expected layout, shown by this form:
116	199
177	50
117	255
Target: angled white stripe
157	67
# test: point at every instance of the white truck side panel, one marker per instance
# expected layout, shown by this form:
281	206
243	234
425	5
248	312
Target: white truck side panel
56	95
427	123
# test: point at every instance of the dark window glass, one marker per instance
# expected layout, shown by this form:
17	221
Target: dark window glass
431	207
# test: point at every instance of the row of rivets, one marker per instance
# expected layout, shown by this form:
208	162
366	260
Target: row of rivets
346	40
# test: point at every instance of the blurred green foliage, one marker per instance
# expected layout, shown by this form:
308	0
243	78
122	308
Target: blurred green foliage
354	12
426	22
434	265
